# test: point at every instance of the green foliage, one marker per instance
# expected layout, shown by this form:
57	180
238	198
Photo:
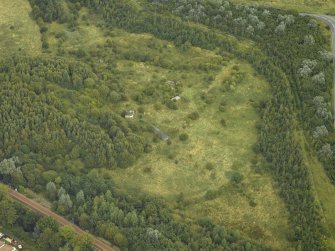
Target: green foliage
51	190
171	105
80	197
236	177
183	137
137	223
34	112
46	115
194	115
48	10
8	212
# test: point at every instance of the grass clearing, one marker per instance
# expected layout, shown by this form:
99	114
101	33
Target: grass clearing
211	154
323	189
195	175
309	6
18	31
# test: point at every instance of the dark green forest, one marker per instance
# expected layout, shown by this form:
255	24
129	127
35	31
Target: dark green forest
42	138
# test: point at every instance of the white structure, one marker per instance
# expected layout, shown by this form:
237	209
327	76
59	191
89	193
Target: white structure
171	82
176	98
129	114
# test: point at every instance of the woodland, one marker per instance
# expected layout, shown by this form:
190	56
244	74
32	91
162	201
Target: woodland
63	132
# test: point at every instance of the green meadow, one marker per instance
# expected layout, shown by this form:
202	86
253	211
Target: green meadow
18	31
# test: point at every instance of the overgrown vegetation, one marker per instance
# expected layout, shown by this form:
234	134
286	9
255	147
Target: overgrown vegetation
65	112
43	232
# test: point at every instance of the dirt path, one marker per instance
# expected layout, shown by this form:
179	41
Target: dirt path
45	211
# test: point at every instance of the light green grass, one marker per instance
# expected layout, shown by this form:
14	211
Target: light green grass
324	190
17	30
309	6
180	167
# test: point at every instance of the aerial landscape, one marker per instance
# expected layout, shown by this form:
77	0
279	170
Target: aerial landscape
167	125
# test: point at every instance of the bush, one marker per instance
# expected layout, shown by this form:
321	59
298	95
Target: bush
147	148
194	115
147	170
209	166
45	44
223	122
211	194
222	108
183	137
171	105
236	178
43	29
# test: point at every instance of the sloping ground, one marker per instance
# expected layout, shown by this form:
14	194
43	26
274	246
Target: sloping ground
18	32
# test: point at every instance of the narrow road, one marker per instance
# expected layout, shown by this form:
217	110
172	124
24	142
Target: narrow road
47	212
330	20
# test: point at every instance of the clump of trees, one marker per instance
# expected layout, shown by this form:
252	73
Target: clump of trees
44	231
141	223
32	116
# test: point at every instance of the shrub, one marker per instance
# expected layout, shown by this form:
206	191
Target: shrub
43	29
45	44
194	115
209	166
147	170
221	108
211	194
171	105
236	178
147	148
183	137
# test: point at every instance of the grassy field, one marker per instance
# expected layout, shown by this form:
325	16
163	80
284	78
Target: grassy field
214	173
309	6
198	172
18	31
